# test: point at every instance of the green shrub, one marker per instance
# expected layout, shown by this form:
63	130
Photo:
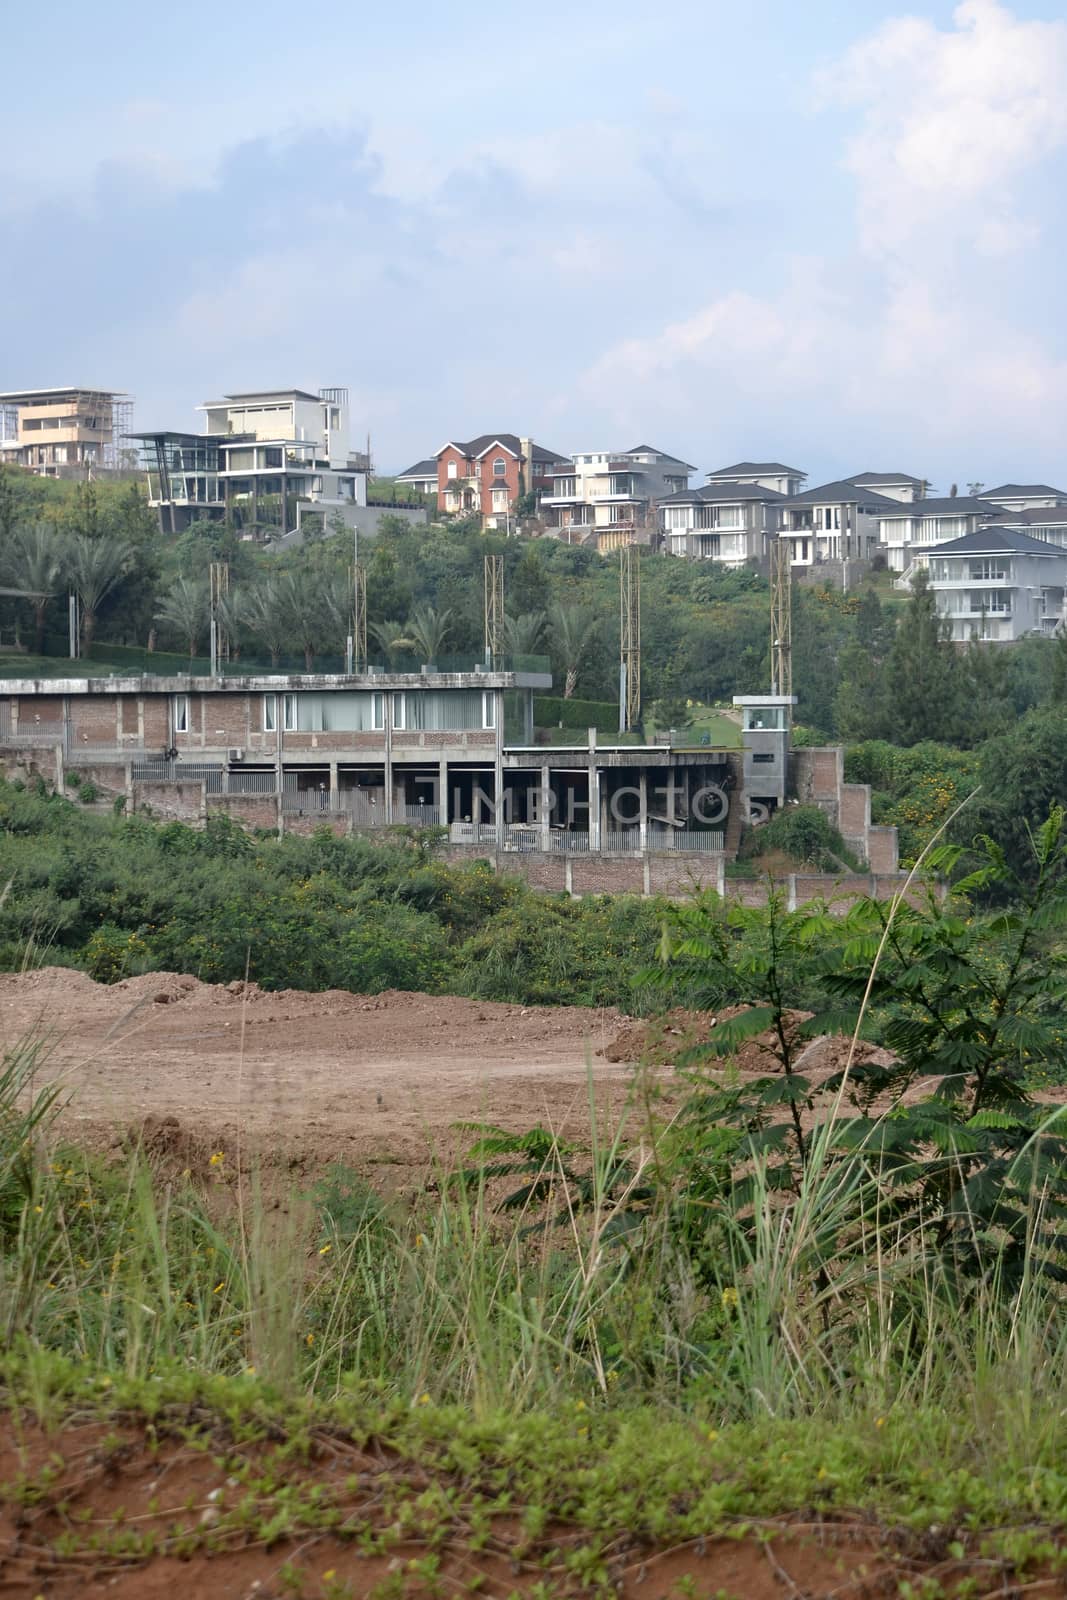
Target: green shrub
805	834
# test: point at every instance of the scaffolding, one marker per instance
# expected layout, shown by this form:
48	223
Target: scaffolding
494	609
121	450
219	579
781	618
359	617
629	638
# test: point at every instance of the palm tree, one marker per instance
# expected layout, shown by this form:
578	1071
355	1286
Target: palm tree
262	610
94	567
392	638
427	630
522	635
34	564
305	604
571	632
185	607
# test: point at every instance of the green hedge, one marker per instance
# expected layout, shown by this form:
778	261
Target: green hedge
551	710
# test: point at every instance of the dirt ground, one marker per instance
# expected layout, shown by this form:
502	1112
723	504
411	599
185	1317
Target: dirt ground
312	1077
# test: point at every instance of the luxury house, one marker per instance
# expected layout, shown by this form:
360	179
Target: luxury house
896	485
608	497
834	522
265	462
727	522
767	474
488	475
422	476
908	532
1024	496
998	584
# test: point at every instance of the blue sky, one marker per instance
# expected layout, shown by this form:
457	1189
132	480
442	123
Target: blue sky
829	234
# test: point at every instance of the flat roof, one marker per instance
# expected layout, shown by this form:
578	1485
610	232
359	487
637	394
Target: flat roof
26	396
275	683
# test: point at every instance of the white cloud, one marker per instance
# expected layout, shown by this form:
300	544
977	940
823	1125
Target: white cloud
950	120
895	329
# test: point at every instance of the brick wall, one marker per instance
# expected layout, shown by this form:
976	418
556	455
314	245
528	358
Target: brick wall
816	775
338	826
883	854
250	810
183	802
680	876
854	810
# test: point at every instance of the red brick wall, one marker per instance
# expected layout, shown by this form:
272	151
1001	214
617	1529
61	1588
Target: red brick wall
675	877
93	720
338	826
816	774
854	813
250	810
882	851
607	875
182	801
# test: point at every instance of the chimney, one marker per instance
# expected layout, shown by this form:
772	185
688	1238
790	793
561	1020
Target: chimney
526	466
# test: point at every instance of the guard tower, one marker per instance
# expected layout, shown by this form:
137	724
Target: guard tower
766	724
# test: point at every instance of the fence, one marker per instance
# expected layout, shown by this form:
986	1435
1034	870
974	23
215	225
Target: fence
562	841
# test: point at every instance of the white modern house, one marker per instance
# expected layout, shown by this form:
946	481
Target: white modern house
608	497
896	485
997	584
1024	496
908	533
422	477
767	474
834	522
1048	523
727	522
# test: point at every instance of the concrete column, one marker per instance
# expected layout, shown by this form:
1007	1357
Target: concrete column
334	790
544	809
601	810
642	815
527	717
442	790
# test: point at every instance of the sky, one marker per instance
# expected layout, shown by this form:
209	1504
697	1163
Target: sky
829	234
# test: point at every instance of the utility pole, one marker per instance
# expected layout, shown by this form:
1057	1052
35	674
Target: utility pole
219	573
629	637
493	608
781	618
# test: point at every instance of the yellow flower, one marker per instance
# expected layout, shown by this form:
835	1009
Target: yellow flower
729	1298
218	1158
310	1339
219	1287
424	1400
712	1435
325	1249
879	1422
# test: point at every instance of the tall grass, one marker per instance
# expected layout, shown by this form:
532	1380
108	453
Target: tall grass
819	1308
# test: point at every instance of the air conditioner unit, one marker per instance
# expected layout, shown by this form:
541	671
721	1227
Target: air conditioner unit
237	755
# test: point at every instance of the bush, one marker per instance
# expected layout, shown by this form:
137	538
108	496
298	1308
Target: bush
805	834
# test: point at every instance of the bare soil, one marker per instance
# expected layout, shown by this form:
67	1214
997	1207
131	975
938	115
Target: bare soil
308	1078
138	1511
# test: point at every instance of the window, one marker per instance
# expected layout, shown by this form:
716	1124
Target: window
994	570
272	456
289	713
400	711
488	709
763	756
675	517
452	469
181	713
443	710
270	713
500	467
500	499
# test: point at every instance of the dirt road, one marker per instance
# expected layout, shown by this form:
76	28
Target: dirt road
314	1077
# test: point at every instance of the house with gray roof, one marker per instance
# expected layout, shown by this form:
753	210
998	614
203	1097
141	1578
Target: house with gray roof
727	522
422	476
897	485
998	584
1025	496
907	532
767	474
608	498
833	522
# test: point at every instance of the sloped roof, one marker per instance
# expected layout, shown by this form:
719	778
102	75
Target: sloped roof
727	492
1035	514
944	505
996	541
871	480
510	442
421	469
843	492
756	469
664	455
1015	491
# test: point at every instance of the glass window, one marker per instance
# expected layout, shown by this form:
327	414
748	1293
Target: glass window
400	711
452	469
488	709
270	713
181	713
500	467
289	713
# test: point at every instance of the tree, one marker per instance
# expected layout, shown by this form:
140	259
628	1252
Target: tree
427	629
302	592
571	632
34	562
262	610
923	677
522	635
392	638
185	608
859	704
95	567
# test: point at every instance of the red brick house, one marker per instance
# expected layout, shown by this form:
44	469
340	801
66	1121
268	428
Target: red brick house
487	475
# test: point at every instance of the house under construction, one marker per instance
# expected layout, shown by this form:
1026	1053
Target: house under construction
67	432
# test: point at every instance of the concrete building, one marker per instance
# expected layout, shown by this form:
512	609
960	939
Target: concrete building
998	584
766	721
488	475
66	432
725	522
609	497
786	481
908	533
1024	496
835	522
422	477
265	462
